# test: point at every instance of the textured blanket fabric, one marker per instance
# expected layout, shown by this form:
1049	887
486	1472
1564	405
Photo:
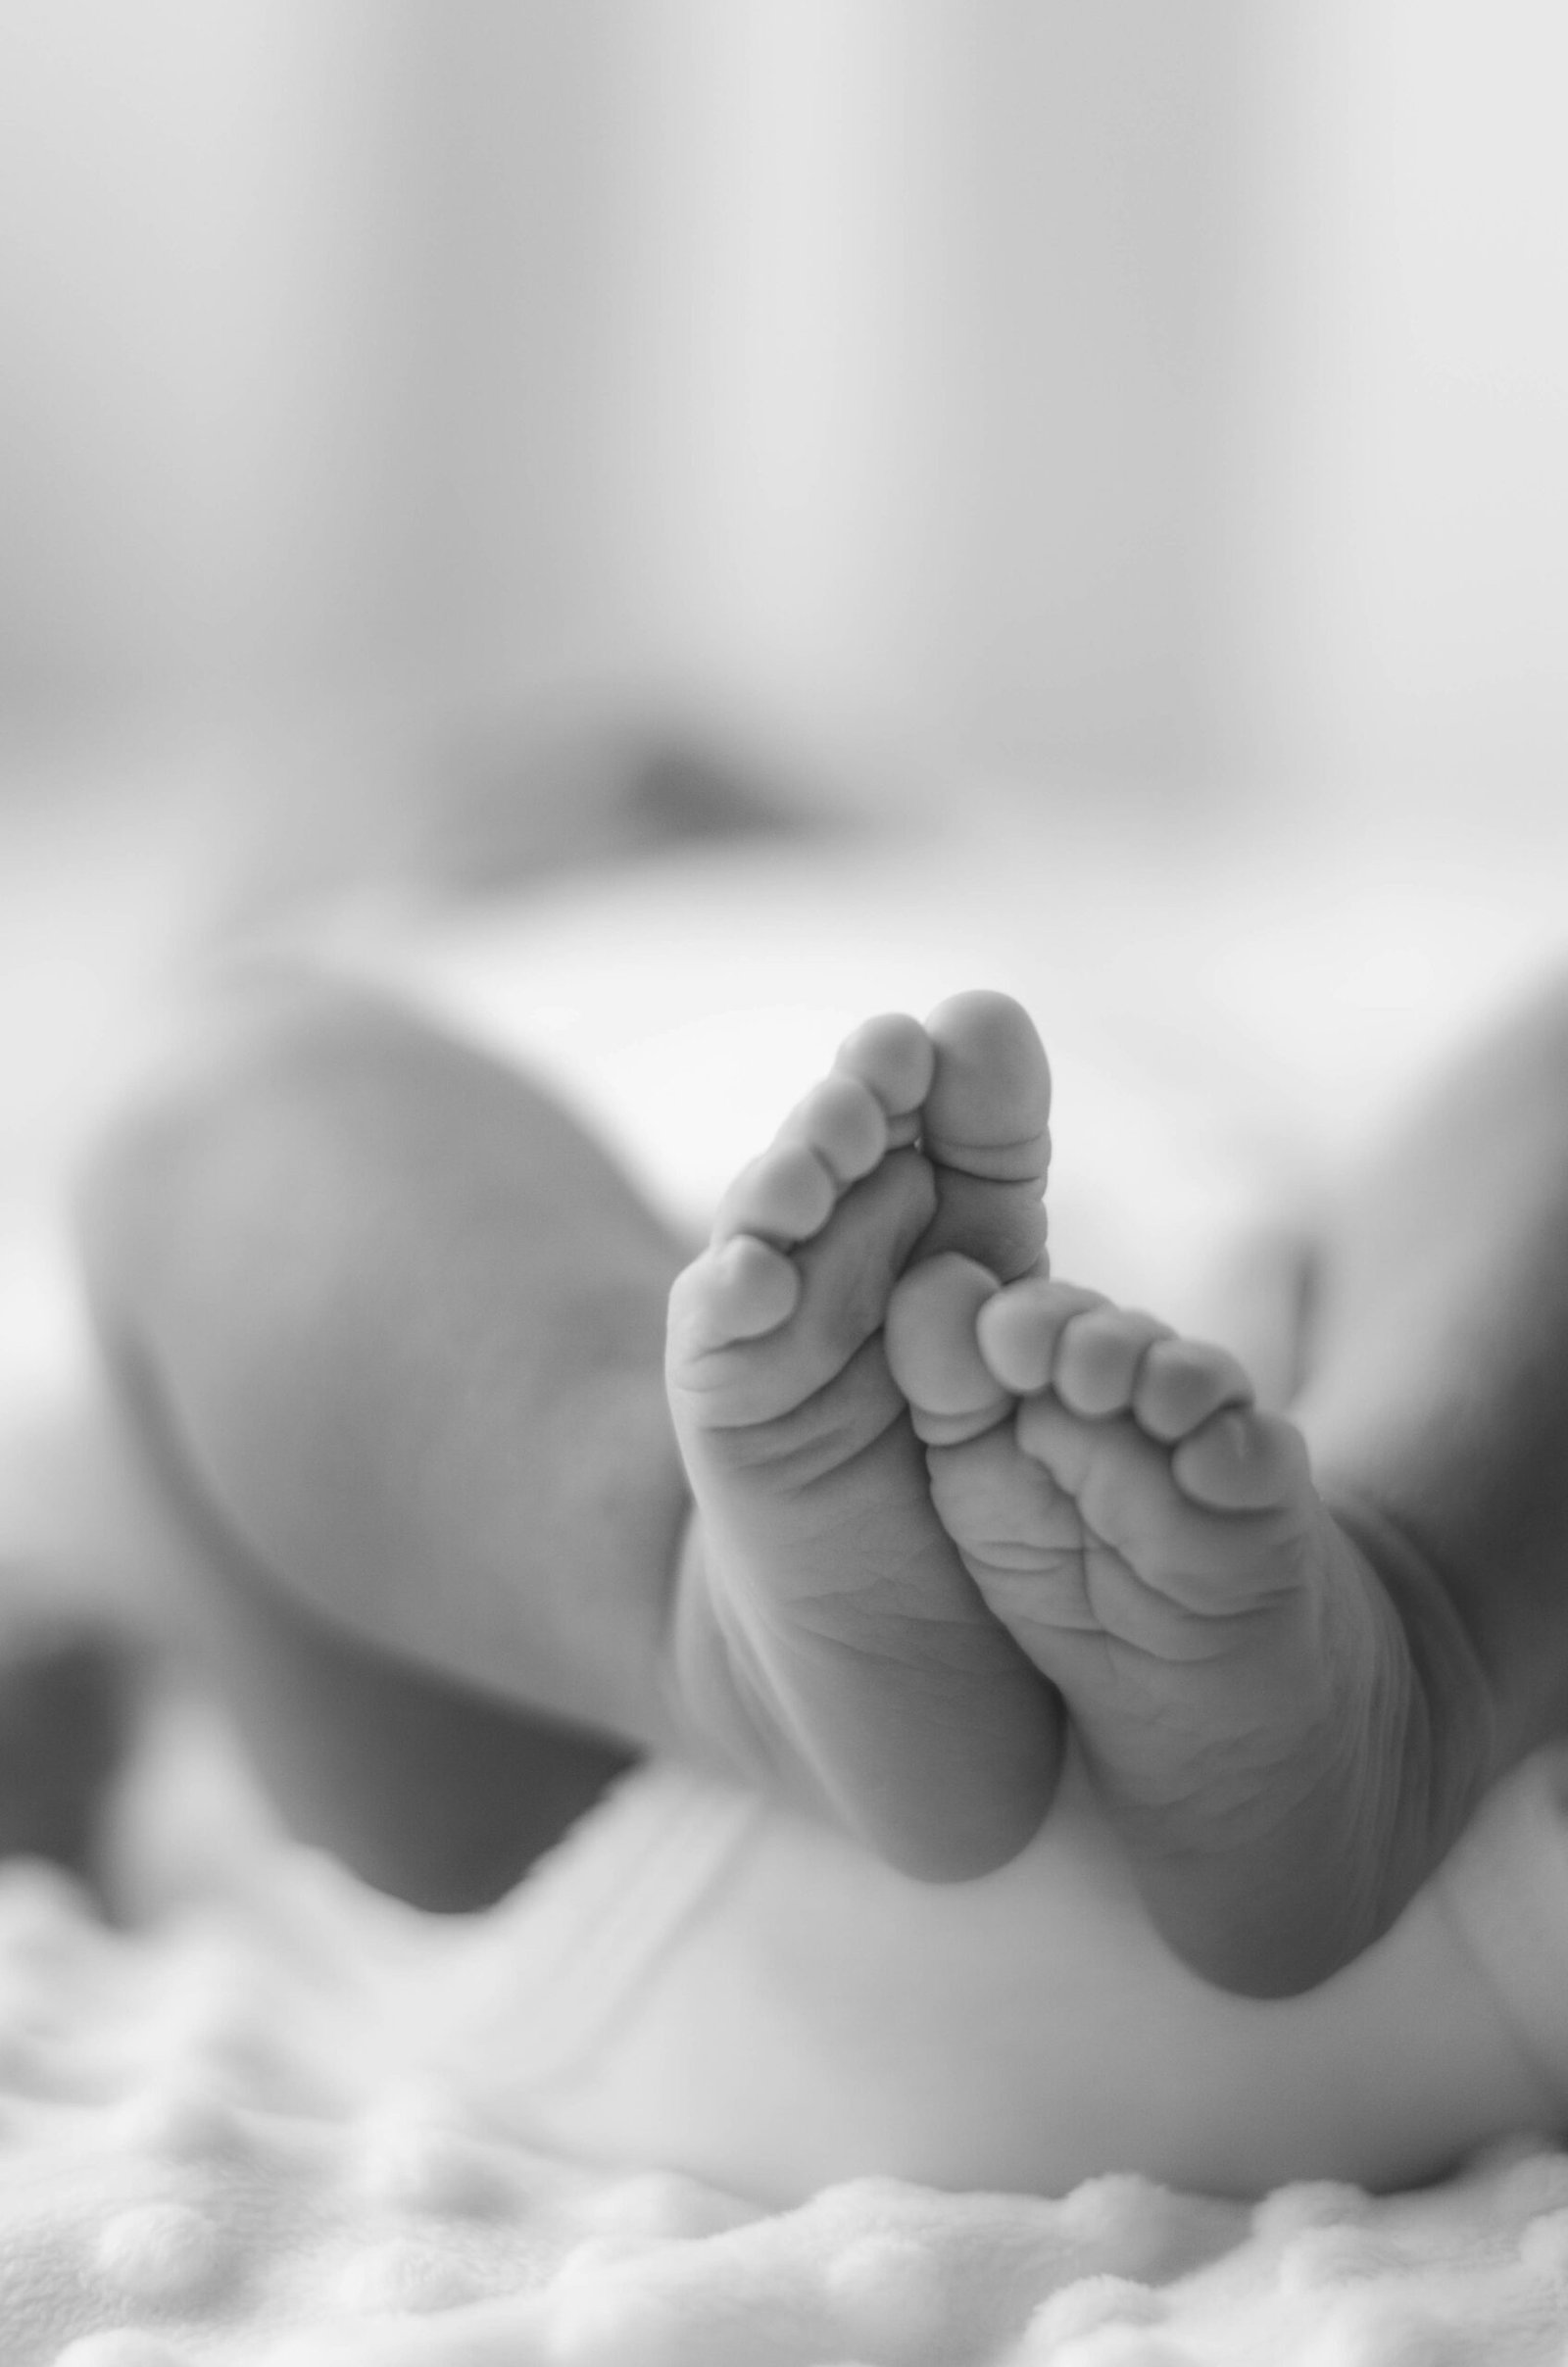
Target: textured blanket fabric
209	2154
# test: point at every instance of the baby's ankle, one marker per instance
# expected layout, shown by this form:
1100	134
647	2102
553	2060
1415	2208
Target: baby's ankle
1451	1754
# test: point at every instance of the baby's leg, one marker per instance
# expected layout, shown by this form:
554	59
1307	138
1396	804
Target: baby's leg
1387	1583
1436	1397
387	1328
827	1625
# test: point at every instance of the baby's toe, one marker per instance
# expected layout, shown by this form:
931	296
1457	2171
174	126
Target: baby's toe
841	1122
785	1196
1017	1330
990	1100
932	1352
1098	1356
739	1290
894	1057
1243	1460
984	1129
1182	1382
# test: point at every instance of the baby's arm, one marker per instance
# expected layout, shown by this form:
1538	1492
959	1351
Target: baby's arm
387	1328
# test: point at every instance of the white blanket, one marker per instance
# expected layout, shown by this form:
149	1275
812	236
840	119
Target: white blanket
212	2150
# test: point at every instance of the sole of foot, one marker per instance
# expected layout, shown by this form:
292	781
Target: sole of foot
826	1635
1233	1669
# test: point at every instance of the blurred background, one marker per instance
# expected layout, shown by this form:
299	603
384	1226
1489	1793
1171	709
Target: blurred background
444	438
1111	396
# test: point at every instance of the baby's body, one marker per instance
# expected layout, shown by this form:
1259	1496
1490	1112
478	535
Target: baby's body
1043	1647
700	1980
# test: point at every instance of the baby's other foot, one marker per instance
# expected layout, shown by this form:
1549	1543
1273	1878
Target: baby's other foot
826	1631
1238	1677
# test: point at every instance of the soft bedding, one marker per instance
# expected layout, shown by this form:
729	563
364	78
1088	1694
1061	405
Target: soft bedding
211	2151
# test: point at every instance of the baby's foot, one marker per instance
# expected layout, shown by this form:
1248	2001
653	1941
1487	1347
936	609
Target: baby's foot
1237	1675
824	1623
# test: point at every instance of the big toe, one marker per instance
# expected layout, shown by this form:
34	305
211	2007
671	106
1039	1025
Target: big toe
989	1105
985	1128
933	1353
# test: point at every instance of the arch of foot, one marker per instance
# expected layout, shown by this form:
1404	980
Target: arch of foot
206	2157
